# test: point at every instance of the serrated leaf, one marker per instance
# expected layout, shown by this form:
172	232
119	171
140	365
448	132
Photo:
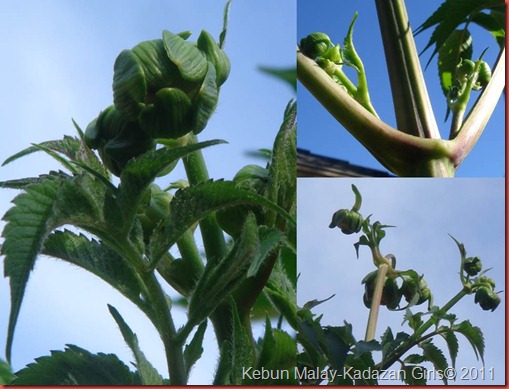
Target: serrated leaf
474	335
148	374
190	205
282	168
194	350
450	15
220	279
336	347
97	258
278	351
68	146
76	366
362	347
140	172
191	63
36	213
457	47
494	23
414	375
452	345
433	354
414	359
6	375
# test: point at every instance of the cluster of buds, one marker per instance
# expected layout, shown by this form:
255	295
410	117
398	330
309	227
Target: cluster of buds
162	89
485	294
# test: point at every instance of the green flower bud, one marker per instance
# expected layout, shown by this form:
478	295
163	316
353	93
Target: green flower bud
347	221
154	209
487	298
315	44
484	76
489	282
170	85
410	288
215	55
117	139
369	288
472	266
391	295
251	178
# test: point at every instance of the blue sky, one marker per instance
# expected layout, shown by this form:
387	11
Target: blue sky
424	212
321	134
58	65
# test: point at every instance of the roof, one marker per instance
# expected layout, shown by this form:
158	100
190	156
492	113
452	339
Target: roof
313	165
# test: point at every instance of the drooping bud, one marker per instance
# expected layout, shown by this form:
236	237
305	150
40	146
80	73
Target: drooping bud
315	44
347	221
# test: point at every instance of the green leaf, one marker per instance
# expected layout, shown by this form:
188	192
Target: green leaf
140	172
191	63
76	366
6	375
222	278
192	204
433	354
414	375
336	347
69	146
194	350
288	75
450	15
282	170
148	374
494	23
99	259
270	240
458	46
278	351
452	345
474	335
43	207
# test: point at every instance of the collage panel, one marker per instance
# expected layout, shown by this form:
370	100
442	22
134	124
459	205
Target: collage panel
147	198
441	287
373	105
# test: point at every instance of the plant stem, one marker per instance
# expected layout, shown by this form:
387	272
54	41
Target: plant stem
166	328
480	113
213	238
375	303
401	153
417	336
213	241
414	113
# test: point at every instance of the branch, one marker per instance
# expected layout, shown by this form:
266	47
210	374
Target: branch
480	114
401	153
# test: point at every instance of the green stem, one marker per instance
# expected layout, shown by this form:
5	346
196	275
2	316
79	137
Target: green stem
480	113
401	153
414	113
375	303
417	336
166	328
213	238
213	241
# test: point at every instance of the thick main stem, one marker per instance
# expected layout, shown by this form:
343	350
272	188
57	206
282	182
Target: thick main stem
414	113
213	241
404	154
375	304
